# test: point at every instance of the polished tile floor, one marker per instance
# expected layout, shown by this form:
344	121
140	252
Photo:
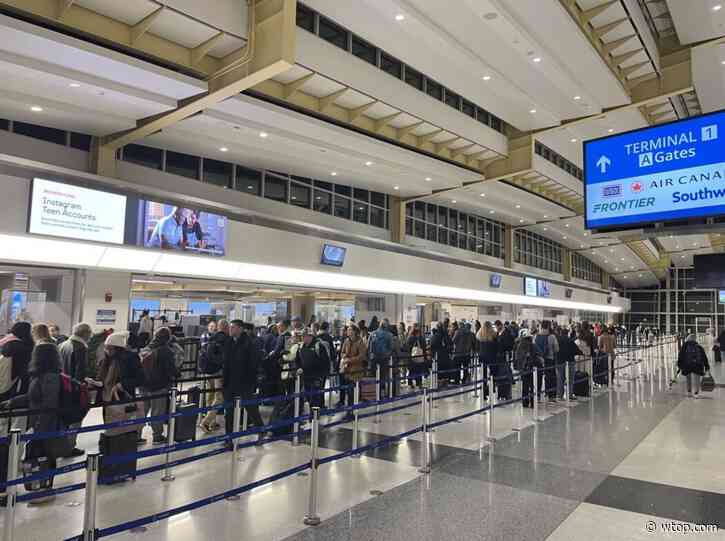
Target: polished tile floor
598	470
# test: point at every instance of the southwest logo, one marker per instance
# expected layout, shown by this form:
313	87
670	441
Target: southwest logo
637	187
612	190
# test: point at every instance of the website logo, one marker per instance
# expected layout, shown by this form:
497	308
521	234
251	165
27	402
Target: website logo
612	190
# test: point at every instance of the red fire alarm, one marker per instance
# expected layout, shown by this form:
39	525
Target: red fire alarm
109	296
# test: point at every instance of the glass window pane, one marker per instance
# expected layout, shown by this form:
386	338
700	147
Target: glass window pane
142	155
324	185
333	33
472	244
44	133
453	239
300	195
361	195
360	212
249	180
453	220
496	123
469	109
431	232
378	199
302	180
434	89
413	78
184	165
377	217
362	49
409	209
443	216
408	226
453	99
81	141
442	235
342	207
482	116
4	124
217	173
275	188
419	229
419	210
305	18
343	190
462	223
322	202
391	65
431	214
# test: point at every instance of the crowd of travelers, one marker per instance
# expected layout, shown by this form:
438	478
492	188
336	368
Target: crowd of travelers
37	362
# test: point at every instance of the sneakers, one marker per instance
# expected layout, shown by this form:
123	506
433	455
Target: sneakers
159	440
697	395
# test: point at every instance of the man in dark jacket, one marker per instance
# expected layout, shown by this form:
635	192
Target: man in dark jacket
692	362
213	356
568	352
74	362
270	338
157	360
463	343
312	357
272	363
239	375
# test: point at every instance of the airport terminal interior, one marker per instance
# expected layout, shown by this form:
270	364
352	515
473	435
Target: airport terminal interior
362	270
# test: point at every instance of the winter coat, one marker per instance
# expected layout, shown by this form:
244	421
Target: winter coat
74	358
240	364
20	351
700	367
440	345
159	365
568	350
313	359
607	343
354	358
464	342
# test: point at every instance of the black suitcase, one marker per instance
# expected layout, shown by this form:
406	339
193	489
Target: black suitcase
194	395
581	384
283	410
35	462
503	381
601	369
185	425
115	445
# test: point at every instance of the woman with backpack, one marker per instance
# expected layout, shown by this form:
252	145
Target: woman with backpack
418	359
526	357
692	363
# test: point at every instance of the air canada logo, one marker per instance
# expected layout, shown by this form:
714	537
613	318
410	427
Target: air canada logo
612	190
637	187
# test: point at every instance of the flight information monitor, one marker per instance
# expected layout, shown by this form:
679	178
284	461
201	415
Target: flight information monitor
669	172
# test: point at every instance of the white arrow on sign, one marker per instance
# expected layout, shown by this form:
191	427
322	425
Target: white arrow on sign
603	163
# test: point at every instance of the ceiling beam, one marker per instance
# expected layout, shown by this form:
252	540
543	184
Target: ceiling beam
201	50
445	144
380	123
622	58
143	26
426	137
293	86
357	112
460	151
63	7
405	130
327	101
588	14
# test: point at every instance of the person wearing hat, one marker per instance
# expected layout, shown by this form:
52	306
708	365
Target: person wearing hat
239	375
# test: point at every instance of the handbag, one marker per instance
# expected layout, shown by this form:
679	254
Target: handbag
708	383
417	355
115	413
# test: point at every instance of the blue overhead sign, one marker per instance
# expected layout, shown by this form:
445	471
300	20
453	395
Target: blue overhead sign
670	172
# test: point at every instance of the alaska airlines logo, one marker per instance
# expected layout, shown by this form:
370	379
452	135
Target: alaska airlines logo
637	187
612	190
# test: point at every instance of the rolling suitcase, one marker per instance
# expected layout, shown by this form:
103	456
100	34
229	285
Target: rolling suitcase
115	445
185	425
283	410
581	384
601	368
367	389
503	382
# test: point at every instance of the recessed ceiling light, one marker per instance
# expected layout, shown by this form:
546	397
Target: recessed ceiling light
428	179
490	16
640	276
545	216
532	111
624	277
536	59
36	109
577	98
610	130
333	174
616	270
518	206
483	195
453	201
611	250
606	261
546	229
564	237
492	212
566	225
586	234
486	77
717	7
521	221
682	257
224	149
573	140
400	17
368	163
622	259
396	188
263	134
74	85
632	267
582	246
250	187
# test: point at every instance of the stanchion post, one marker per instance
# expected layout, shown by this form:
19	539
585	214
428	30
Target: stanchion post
312	518
567	388
378	383
434	373
245	424
170	433
425	416
389	384
491	405
474	375
536	393
89	511
12	490
298	390
235	447
356	418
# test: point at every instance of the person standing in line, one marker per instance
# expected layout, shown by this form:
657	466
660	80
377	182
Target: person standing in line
608	346
240	376
464	343
55	334
159	373
380	349
568	353
312	357
145	328
692	362
17	348
487	351
270	338
207	335
526	358
418	359
215	362
549	346
74	363
353	363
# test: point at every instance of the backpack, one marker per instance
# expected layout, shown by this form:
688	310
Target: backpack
542	342
324	344
7	383
692	360
209	364
75	401
378	347
179	354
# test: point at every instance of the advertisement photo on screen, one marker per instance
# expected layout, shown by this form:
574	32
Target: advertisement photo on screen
543	288
721	296
166	226
333	256
65	210
495	281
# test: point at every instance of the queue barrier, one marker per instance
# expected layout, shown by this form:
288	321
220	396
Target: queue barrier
426	425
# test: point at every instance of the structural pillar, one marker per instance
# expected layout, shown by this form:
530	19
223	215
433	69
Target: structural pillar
566	264
508	246
303	306
605	279
397	219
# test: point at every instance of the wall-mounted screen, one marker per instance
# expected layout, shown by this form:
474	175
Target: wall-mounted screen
709	271
668	172
530	287
170	227
495	280
64	210
333	255
721	296
568	293
543	288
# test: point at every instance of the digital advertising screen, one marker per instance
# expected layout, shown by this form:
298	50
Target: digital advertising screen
543	288
185	229
530	287
333	255
65	210
709	271
721	296
495	281
668	172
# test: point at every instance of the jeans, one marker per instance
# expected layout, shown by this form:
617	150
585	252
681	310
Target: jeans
551	378
312	385
696	379
154	407
217	399
253	416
